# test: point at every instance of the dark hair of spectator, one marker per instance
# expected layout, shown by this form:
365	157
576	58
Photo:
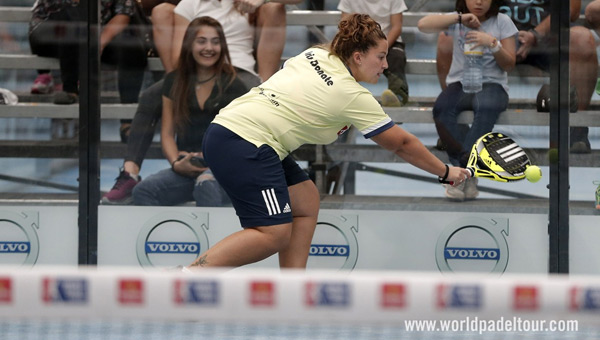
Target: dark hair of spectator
461	7
186	70
358	32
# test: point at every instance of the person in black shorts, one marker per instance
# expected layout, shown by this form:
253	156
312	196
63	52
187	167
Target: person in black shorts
313	99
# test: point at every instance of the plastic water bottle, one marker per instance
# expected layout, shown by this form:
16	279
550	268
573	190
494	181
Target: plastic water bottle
472	76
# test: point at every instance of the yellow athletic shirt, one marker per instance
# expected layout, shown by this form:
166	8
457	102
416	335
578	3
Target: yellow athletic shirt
311	100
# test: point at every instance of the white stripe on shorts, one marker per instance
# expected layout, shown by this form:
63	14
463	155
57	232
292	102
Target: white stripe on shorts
271	201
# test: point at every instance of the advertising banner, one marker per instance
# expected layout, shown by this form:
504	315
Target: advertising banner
345	240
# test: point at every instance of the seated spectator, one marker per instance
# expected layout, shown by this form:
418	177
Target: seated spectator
535	46
203	83
240	37
388	13
266	26
53	32
481	26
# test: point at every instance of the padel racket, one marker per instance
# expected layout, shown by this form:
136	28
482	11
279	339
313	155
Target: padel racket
497	157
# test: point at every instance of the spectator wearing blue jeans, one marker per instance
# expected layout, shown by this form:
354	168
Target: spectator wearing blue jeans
479	24
486	104
535	44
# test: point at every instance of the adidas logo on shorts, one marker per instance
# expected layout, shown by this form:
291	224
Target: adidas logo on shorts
287	208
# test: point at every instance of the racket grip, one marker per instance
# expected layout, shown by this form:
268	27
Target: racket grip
471	171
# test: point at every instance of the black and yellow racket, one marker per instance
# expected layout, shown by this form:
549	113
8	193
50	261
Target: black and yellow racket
498	157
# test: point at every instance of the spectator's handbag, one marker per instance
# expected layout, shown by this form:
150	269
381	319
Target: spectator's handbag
143	29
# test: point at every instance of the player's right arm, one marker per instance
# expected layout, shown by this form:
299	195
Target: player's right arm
409	147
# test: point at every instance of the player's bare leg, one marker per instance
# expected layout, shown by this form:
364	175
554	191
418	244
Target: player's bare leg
246	246
291	240
305	208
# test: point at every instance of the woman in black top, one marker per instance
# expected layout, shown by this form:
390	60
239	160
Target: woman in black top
193	94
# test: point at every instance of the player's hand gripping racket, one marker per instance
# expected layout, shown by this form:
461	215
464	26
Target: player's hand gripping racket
497	157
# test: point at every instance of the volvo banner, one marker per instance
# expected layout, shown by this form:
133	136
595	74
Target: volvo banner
343	240
38	235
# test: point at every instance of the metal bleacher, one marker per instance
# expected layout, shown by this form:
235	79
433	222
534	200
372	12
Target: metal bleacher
418	110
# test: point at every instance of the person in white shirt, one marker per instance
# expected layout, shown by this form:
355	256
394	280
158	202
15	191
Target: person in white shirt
388	13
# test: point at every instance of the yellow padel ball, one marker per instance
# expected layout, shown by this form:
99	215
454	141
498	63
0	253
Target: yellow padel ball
533	173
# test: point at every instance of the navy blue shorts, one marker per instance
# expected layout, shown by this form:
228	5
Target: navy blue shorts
255	179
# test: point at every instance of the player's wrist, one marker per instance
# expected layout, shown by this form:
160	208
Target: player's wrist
443	179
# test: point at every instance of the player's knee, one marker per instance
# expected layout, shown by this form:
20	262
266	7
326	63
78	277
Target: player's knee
277	237
307	204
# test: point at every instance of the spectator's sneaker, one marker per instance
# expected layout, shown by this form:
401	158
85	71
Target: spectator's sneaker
581	147
597	194
43	84
471	191
121	191
389	99
456	193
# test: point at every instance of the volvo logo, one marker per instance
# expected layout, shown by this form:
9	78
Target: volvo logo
473	244
334	244
19	243
171	239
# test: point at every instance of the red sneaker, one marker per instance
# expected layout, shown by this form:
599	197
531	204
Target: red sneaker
121	191
43	84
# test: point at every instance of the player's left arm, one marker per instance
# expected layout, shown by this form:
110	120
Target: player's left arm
409	147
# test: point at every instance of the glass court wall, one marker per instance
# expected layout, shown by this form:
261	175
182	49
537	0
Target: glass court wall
59	160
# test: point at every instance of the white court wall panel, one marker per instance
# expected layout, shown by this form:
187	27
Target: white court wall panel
358	239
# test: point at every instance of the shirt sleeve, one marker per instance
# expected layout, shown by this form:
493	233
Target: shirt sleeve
398	7
366	114
168	85
344	6
507	26
185	8
125	7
